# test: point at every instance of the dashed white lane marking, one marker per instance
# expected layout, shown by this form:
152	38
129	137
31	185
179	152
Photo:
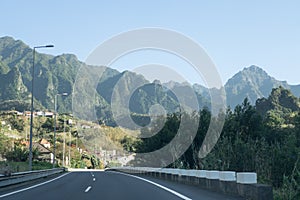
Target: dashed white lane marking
156	184
34	186
88	189
94	179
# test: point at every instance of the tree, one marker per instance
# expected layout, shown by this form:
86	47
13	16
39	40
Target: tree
16	123
48	124
17	154
128	144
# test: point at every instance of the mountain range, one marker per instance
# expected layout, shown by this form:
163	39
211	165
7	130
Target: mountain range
57	74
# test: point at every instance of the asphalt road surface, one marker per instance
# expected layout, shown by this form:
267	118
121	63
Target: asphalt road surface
108	186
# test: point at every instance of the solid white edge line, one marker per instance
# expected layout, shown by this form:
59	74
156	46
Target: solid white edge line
34	186
88	189
156	184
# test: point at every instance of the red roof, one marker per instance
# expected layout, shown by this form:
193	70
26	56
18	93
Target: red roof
44	141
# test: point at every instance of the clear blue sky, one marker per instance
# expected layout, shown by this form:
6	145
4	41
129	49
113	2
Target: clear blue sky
235	34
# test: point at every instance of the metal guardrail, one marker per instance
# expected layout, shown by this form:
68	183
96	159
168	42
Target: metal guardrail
242	184
239	177
20	177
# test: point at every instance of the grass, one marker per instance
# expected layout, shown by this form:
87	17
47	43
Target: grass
23	166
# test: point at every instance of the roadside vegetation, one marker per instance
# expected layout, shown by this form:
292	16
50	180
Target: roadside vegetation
14	140
264	138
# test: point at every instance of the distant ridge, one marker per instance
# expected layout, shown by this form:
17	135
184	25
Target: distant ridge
253	82
57	74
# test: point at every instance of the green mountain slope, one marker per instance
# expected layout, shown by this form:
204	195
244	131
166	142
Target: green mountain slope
280	99
57	74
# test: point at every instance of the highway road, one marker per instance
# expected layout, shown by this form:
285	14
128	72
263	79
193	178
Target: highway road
108	186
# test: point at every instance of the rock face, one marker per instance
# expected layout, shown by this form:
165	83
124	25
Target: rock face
253	83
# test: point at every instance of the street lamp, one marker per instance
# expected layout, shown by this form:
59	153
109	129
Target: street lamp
31	114
69	161
55	113
64	144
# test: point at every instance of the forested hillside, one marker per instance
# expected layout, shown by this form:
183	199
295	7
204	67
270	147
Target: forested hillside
264	138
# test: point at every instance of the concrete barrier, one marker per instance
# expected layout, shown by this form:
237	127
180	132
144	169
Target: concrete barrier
227	183
246	177
227	176
21	177
212	180
242	184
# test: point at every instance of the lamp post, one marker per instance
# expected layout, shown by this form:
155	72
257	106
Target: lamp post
31	114
69	149
55	114
64	144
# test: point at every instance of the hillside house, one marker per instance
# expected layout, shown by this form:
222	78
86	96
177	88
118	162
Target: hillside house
44	153
45	143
